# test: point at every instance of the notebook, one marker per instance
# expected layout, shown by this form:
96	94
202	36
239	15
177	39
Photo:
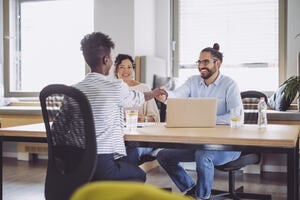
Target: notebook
191	113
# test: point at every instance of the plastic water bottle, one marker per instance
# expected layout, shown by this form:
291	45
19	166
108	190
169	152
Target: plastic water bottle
262	120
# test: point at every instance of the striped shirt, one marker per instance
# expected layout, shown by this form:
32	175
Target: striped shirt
107	98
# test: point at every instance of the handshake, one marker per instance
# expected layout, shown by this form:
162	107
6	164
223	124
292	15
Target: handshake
159	93
163	95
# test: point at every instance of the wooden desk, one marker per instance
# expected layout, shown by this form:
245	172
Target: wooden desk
273	139
23	113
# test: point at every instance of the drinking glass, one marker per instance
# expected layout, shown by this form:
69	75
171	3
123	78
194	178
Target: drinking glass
131	120
236	117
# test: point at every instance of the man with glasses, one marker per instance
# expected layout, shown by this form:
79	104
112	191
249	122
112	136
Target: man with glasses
210	83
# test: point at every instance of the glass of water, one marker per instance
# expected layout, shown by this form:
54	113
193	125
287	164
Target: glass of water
131	120
236	117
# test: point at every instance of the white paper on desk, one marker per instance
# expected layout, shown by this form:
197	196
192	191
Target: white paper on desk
144	124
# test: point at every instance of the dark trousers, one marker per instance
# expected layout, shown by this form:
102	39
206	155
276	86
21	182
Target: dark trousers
121	169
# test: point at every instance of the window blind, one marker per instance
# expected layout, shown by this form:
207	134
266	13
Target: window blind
247	30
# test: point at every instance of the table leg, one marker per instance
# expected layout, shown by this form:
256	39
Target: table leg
1	168
292	173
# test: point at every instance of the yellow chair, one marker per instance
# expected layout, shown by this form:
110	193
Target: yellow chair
121	190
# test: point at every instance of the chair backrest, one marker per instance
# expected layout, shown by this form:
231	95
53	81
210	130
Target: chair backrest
169	84
250	100
70	129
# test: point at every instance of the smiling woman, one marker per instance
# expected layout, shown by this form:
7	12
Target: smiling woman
43	40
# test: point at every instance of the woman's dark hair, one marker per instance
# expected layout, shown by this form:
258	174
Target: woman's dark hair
95	47
122	57
214	51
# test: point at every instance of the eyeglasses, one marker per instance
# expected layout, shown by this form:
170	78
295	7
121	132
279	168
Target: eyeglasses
205	61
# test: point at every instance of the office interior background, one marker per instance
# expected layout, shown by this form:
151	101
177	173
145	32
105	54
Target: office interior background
138	28
147	28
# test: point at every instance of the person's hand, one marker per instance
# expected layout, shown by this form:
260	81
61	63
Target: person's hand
141	117
163	94
156	93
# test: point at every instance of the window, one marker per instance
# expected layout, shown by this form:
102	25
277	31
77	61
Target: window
44	43
248	34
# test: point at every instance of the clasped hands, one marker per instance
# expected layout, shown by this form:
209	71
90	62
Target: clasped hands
160	94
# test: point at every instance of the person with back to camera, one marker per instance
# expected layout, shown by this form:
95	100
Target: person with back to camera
210	83
148	112
107	98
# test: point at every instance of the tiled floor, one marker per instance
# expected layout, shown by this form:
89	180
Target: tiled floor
25	181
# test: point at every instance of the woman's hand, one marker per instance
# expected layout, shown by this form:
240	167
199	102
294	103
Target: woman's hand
145	118
141	117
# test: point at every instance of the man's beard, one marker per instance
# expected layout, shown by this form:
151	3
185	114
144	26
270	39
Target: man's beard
206	75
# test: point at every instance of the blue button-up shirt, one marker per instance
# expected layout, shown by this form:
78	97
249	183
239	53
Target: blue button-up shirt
224	89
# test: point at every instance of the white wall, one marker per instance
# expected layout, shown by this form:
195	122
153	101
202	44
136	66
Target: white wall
144	27
130	23
138	27
116	18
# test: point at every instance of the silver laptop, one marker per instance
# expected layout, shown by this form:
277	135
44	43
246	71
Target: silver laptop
191	113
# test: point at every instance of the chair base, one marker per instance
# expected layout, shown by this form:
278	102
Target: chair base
238	194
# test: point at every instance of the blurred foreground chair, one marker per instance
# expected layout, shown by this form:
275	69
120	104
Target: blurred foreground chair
250	101
71	140
120	190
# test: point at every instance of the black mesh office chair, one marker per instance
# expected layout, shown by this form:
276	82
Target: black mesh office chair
71	139
250	101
